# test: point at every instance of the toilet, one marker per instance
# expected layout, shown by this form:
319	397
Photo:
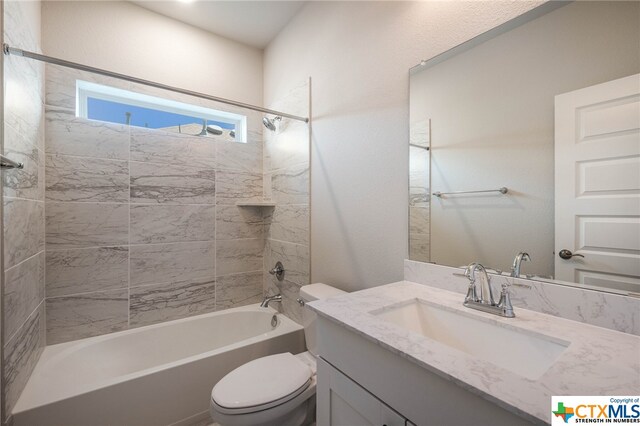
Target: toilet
274	390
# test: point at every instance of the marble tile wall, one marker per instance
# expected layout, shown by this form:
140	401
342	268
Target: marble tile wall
23	191
239	230
142	225
286	176
419	228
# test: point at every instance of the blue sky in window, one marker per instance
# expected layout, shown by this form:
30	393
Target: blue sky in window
115	112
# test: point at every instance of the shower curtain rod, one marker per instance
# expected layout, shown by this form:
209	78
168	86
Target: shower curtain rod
8	50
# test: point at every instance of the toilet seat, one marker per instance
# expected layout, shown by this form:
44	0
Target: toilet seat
256	408
261	384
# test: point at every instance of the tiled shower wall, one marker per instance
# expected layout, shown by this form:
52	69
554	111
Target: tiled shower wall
286	173
142	225
23	299
419	185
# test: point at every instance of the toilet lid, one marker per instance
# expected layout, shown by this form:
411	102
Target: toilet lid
262	381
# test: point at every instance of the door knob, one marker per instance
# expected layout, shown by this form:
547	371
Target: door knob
566	254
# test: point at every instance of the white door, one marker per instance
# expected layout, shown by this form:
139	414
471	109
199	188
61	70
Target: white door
597	185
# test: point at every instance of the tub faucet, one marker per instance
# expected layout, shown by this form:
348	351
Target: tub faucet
481	297
517	263
269	299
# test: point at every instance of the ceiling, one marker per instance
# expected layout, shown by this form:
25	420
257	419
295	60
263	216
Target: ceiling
255	23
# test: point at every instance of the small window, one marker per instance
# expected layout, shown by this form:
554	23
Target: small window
113	105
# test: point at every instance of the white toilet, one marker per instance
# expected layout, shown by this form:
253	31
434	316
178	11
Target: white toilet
274	390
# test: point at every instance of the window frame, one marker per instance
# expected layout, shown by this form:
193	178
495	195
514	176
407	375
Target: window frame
86	90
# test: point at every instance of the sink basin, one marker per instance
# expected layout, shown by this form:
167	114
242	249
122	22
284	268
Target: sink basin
522	352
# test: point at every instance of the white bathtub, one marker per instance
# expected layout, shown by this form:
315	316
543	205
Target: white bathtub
156	375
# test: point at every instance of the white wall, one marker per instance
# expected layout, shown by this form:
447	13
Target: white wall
358	55
123	37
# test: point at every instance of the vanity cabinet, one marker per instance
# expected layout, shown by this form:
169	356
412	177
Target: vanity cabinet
342	402
363	383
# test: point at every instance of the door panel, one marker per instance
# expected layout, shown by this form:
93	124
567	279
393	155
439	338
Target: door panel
597	189
343	402
617	282
611	176
608	233
609	117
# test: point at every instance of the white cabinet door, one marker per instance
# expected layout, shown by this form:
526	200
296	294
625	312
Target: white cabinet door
342	402
597	189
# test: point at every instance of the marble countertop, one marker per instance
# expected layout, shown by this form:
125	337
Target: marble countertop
597	361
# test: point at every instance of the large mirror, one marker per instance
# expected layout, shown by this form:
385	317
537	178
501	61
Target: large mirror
527	140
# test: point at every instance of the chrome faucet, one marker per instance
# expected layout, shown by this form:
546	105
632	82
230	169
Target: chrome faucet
481	298
484	293
269	299
517	263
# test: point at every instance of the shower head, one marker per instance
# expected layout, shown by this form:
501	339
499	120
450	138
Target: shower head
214	130
209	129
270	123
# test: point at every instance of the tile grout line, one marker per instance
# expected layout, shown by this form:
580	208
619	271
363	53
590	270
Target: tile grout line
204	279
266	158
215	233
10	198
115	246
288	242
233	274
24	322
40	302
82	293
19	134
44	204
128	202
23	261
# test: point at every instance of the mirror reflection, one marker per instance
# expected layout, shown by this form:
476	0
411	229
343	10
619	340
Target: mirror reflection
527	142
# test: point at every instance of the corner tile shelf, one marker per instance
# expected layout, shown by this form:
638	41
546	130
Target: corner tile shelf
255	204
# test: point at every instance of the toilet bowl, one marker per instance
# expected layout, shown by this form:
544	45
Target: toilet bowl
277	389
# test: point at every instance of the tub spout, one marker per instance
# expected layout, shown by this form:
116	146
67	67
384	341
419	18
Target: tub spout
269	299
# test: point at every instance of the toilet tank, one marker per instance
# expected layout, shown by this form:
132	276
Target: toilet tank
309	293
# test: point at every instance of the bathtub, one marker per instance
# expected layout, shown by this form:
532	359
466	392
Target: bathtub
160	374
